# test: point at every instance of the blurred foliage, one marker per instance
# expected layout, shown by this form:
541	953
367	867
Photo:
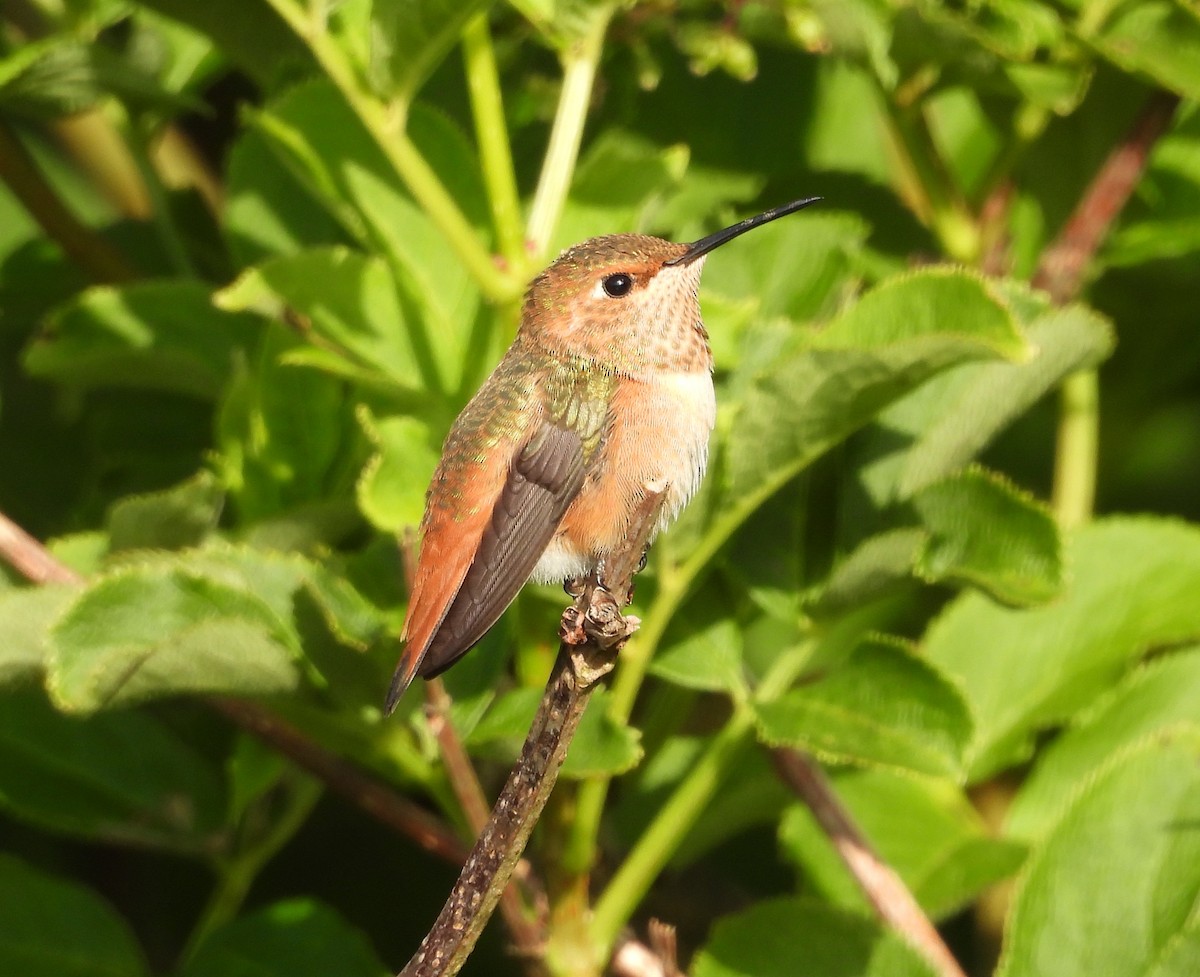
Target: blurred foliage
254	257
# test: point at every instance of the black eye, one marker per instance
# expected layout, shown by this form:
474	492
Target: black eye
617	285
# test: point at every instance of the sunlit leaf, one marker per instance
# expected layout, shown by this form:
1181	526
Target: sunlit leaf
1132	911
784	937
1158	696
986	532
1133	588
884	707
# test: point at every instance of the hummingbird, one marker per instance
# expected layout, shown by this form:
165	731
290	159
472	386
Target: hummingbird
607	389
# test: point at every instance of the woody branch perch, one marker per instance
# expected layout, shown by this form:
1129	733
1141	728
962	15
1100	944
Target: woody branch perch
593	632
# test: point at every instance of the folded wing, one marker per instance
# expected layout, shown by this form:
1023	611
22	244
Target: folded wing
471	568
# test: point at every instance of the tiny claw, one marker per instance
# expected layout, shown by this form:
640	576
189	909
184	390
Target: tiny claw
570	628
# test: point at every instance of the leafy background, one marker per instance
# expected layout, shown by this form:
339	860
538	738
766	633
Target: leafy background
255	255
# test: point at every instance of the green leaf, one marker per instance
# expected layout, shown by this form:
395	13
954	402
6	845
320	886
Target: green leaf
896	337
1014	29
1021	670
391	490
1014	49
277	579
297	938
919	305
352	619
799	268
1159	695
154	630
875	568
1133	910
708	657
602	747
883	707
1159	39
162	335
26	615
408	39
314	131
786	937
860	30
252	771
986	532
120	777
348	301
925	829
767	556
269	209
47	78
982	399
63	75
172	519
250	34
287	435
53	928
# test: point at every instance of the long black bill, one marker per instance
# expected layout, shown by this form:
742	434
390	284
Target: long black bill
699	248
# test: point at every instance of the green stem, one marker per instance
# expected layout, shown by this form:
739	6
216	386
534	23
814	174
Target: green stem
659	842
932	192
138	138
238	872
93	253
491	131
579	73
580	849
674	820
1075	458
385	124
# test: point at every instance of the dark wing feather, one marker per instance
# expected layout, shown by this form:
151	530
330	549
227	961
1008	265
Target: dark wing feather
545	477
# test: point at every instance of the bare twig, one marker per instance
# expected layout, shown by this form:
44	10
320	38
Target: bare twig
527	937
1061	272
382	803
31	559
593	631
883	888
1064	263
459	769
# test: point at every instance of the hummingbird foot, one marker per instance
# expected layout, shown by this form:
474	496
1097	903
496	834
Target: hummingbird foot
596	617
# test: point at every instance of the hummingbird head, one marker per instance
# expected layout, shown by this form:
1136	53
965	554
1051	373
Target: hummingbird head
629	301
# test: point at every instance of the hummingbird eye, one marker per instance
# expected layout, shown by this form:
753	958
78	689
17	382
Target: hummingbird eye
617	285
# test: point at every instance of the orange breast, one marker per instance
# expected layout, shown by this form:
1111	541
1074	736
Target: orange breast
658	433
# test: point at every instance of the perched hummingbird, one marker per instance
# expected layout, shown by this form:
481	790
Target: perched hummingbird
607	388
